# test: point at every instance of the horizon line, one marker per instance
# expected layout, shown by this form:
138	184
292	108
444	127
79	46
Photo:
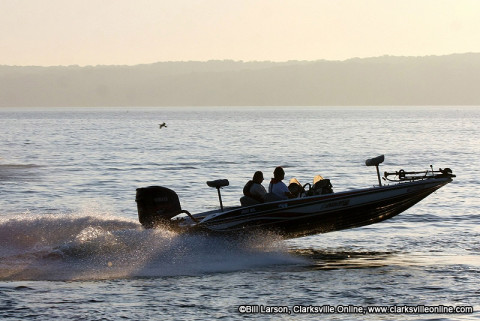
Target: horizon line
243	61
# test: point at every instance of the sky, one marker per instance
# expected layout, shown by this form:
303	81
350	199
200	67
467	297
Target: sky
130	32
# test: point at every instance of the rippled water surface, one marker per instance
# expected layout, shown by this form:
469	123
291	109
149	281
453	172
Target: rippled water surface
71	246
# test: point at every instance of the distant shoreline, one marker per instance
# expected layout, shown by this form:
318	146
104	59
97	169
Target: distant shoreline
450	80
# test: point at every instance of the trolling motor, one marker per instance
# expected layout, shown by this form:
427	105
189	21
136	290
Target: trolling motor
402	176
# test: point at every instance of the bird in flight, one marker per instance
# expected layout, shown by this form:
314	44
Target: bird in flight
162	125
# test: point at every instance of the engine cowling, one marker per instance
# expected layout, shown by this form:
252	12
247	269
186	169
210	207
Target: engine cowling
156	205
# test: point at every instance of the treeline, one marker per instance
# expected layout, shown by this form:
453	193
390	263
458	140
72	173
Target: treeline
431	80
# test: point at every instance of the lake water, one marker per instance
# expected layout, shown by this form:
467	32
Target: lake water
71	246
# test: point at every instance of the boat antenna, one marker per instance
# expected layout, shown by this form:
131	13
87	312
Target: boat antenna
375	162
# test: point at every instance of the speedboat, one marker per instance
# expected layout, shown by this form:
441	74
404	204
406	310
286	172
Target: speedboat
315	209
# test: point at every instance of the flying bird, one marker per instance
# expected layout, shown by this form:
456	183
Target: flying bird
162	125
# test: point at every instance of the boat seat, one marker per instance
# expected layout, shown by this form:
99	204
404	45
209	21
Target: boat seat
322	186
218	183
271	197
248	201
295	188
375	161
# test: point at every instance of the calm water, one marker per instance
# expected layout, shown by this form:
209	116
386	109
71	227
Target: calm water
71	246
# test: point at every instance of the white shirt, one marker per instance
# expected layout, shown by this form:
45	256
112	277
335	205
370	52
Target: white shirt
279	189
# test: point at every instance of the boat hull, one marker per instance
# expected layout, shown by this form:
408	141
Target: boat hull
323	213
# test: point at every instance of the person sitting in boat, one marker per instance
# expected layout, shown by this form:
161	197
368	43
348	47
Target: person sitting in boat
254	188
278	187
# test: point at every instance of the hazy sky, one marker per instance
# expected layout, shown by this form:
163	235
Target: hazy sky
91	32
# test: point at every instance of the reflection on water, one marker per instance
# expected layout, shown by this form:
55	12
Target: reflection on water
326	260
19	172
329	260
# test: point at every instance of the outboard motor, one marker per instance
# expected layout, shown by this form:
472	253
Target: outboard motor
156	205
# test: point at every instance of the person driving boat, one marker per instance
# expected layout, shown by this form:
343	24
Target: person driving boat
278	187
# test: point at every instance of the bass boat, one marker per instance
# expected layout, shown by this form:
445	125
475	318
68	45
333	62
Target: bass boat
315	209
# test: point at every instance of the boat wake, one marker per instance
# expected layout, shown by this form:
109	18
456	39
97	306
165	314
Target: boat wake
92	247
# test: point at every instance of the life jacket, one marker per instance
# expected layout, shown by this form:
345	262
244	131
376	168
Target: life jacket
246	191
246	188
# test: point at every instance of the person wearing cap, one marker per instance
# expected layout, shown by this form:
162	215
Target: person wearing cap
278	187
254	188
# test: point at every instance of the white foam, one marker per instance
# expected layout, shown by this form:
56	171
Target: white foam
98	246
